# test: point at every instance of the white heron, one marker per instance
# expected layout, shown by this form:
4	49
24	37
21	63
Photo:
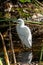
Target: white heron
25	35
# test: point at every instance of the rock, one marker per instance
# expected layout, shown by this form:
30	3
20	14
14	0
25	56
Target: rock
34	16
37	17
8	7
40	15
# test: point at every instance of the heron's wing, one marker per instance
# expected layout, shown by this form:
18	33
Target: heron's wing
24	34
25	31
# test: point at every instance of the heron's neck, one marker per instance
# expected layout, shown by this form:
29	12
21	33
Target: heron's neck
21	24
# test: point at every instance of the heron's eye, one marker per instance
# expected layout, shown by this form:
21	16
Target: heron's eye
18	21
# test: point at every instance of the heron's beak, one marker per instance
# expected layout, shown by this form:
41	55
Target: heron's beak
15	21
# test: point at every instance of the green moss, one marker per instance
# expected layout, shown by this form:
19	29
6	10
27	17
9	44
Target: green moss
23	1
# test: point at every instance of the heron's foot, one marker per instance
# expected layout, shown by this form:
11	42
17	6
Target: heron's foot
29	63
25	48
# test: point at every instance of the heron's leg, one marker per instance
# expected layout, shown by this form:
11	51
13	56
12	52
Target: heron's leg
25	48
23	45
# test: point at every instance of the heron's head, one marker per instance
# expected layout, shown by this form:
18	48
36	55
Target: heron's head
20	21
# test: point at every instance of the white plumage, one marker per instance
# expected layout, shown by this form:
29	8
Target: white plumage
25	36
24	33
